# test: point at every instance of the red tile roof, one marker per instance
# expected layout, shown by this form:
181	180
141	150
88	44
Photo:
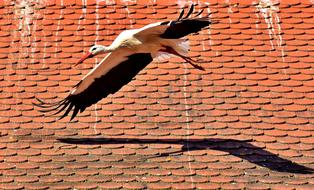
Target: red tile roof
247	121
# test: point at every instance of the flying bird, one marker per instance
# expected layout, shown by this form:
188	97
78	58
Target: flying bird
128	54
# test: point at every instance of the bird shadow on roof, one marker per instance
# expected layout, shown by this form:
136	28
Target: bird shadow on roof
238	148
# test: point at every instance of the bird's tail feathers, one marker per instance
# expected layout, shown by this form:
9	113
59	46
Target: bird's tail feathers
162	56
183	46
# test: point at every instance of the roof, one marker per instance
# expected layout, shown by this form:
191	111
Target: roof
246	121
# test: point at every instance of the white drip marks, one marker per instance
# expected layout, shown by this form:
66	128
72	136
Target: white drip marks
108	2
187	115
24	14
127	1
203	43
187	120
96	60
211	42
230	11
128	13
83	15
269	11
58	29
34	40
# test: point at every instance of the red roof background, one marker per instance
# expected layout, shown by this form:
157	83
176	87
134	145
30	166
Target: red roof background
247	121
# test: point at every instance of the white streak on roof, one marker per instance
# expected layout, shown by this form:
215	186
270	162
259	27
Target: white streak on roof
96	61
269	11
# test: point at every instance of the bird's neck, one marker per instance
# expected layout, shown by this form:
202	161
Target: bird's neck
108	49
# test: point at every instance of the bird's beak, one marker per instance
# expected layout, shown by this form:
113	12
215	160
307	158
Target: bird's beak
86	56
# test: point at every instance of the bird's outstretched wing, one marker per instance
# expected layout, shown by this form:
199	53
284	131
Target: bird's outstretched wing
106	78
179	28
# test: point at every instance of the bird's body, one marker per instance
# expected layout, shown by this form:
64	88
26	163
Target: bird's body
128	54
145	40
127	43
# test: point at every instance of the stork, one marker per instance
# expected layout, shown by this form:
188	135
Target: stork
128	54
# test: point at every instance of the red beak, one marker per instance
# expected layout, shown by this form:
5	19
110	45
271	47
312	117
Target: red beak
86	56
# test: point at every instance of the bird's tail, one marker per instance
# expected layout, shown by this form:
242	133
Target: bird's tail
182	46
162	56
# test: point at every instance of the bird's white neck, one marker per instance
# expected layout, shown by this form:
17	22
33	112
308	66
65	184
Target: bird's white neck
108	49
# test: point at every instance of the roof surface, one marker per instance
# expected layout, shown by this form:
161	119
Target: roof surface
246	121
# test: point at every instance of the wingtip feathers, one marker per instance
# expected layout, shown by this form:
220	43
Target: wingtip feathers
181	14
190	11
199	13
56	107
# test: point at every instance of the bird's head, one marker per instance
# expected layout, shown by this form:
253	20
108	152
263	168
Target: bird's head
94	50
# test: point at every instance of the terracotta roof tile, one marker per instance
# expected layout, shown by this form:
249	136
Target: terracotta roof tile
244	122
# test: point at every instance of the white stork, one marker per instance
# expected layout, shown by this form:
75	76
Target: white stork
129	53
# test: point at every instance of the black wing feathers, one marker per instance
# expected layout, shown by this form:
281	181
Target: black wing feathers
190	12
181	15
107	84
184	26
199	13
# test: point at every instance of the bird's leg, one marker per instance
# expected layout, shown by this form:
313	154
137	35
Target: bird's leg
187	59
